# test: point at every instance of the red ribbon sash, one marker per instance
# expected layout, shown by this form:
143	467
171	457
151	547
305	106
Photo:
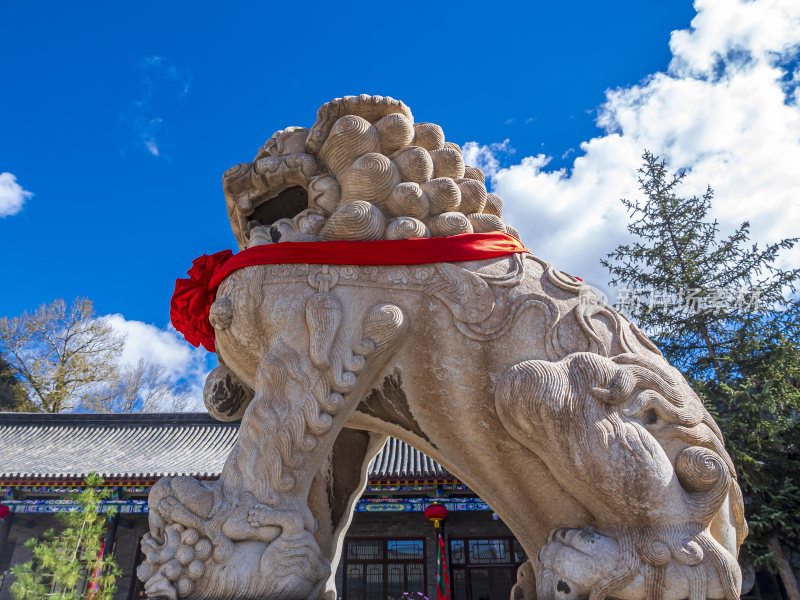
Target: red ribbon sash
192	299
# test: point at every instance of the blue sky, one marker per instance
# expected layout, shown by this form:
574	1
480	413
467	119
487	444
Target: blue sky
117	121
90	87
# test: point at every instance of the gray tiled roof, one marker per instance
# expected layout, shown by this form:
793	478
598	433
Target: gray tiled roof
130	446
398	460
146	446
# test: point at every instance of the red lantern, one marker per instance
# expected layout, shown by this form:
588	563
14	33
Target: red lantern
4	511
436	513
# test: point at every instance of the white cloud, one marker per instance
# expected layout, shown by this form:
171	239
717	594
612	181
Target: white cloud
727	110
149	131
486	157
12	196
572	218
165	347
161	84
734	31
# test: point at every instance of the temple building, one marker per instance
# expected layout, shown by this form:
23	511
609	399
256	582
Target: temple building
390	547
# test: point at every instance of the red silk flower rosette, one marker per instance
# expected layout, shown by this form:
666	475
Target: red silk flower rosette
193	298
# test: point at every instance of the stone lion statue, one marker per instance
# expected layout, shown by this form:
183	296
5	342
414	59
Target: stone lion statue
547	402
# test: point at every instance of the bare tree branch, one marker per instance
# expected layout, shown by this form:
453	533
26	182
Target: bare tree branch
65	358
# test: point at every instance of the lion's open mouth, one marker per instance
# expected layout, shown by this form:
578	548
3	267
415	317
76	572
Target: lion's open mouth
267	190
286	205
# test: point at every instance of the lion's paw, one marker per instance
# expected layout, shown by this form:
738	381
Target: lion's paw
259	516
172	510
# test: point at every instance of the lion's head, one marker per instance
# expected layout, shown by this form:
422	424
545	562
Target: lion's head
364	171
